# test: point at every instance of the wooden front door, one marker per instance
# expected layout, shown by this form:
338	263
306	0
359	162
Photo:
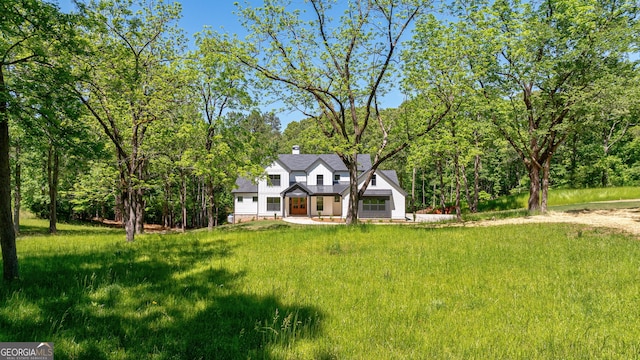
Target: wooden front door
298	206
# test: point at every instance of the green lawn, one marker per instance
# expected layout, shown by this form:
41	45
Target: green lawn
370	292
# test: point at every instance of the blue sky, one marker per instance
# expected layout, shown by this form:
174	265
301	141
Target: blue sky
219	15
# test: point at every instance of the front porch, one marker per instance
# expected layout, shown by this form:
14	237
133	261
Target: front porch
317	206
312	201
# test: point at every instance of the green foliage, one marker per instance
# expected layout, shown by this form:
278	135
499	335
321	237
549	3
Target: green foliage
529	291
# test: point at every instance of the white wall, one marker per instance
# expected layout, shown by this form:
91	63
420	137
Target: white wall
247	206
344	176
397	198
266	191
320	169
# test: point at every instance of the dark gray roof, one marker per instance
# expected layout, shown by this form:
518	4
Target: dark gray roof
391	174
377	192
297	189
300	162
244	185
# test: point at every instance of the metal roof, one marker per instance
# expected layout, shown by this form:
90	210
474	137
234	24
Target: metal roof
300	162
244	185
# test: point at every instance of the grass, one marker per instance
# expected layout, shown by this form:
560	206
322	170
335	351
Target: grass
523	292
559	200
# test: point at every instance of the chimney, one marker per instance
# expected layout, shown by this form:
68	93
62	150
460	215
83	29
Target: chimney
295	149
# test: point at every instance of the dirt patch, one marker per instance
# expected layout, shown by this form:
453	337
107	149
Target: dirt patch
627	220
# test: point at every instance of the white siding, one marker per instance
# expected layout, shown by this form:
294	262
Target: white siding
344	176
267	191
320	169
247	206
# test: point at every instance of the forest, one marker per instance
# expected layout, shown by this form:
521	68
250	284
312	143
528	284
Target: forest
108	113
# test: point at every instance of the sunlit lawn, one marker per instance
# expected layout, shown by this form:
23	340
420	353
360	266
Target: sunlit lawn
372	292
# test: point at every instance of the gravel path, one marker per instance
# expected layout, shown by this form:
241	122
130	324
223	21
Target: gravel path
627	220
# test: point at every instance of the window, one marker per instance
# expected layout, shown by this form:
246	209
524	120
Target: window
255	199
274	180
239	198
319	180
373	204
320	203
373	180
273	204
336	198
336	177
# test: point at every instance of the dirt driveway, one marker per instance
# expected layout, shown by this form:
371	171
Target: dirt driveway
627	220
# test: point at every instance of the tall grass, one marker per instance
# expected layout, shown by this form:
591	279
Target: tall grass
383	292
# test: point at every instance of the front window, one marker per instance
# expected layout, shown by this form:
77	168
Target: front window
274	180
239	198
319	180
336	198
373	204
373	180
336	177
273	204
320	204
255	199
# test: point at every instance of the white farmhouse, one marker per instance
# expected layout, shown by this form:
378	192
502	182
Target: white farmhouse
315	185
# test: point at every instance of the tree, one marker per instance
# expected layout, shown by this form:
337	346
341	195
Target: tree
334	68
538	64
32	31
127	85
221	87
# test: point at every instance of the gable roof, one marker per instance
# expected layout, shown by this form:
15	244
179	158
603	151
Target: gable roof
300	162
389	175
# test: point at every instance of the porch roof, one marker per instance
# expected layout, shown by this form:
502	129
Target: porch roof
301	189
378	192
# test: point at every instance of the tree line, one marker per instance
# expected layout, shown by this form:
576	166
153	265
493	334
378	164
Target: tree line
106	112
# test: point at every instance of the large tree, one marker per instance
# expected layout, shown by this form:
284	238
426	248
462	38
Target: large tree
129	78
538	64
33	32
333	64
221	86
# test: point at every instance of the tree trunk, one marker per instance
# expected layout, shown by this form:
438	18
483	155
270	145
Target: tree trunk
53	170
183	202
352	208
465	181
118	209
457	170
534	188
129	215
443	199
476	184
17	191
139	209
210	205
545	184
413	193
7	234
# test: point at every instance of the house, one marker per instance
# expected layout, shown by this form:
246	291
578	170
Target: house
315	185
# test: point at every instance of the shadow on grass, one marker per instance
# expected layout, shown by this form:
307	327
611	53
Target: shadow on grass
510	202
65	229
161	298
